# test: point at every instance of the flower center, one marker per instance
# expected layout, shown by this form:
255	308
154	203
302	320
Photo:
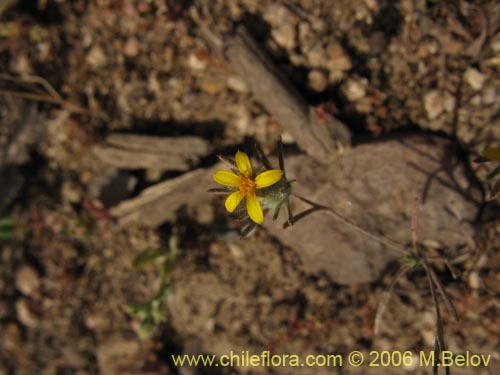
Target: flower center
247	185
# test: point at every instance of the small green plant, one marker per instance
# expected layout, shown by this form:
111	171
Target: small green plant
7	227
151	313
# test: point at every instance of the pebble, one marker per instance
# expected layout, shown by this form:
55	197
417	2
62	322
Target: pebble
132	47
27	280
237	84
495	44
96	57
474	280
355	89
489	95
195	63
71	192
427	329
287	138
318	80
364	105
241	119
211	85
21	65
24	313
284	36
283	23
449	102
474	78
305	34
372	5
433	104
316	56
11	337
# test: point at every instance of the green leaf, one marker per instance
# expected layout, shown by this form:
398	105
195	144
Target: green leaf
5	235
148	257
7	223
145	330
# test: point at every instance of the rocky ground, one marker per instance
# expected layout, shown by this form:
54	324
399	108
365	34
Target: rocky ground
113	113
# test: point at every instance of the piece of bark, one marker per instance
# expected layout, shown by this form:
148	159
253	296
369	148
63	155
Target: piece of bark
186	145
159	203
374	186
282	101
132	151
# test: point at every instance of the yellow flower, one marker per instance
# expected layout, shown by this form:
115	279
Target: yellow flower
246	185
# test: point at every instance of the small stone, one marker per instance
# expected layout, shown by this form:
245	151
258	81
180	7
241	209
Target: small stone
283	23
474	280
285	36
428	335
364	105
24	313
355	89
316	56
27	280
475	100
372	5
242	119
304	33
287	138
21	65
449	102
237	84
318	24
132	47
195	63
71	192
318	80
474	78
211	85
335	76
489	95
433	104
96	57
11	337
495	44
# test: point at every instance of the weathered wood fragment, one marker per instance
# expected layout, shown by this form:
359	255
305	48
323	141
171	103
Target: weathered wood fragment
132	151
159	203
282	101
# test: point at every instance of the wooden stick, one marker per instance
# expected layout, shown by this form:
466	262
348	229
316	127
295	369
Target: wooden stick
282	100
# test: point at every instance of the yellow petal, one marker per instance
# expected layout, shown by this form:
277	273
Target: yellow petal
268	178
492	153
233	200
226	178
243	164
254	209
